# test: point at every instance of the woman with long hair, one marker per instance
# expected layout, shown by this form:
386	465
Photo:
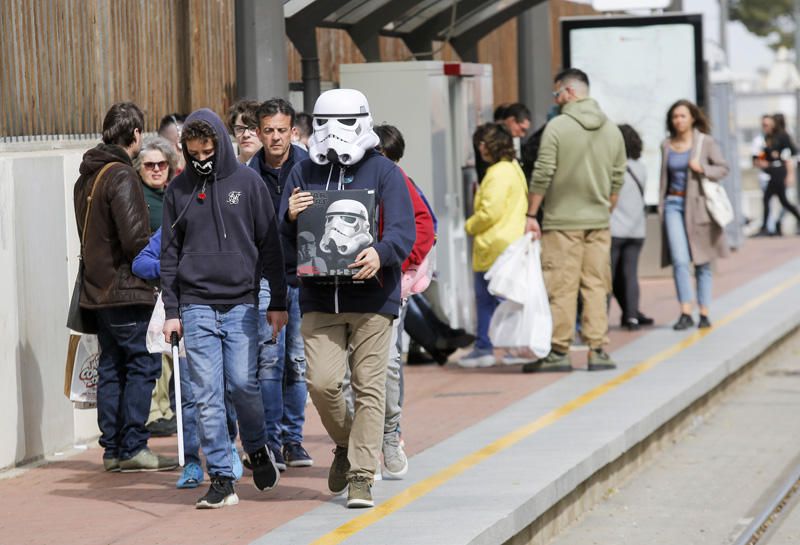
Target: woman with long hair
776	160
689	234
498	220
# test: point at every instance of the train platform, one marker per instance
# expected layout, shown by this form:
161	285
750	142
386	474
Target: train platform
492	451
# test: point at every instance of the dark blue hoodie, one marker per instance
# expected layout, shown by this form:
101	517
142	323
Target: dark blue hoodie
376	172
215	250
275	180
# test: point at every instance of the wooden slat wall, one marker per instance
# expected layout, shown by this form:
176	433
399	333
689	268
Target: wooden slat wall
64	62
558	10
498	48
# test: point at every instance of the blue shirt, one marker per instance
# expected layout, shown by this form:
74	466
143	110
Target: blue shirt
678	170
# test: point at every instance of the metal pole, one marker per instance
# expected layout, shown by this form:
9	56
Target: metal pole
796	16
724	16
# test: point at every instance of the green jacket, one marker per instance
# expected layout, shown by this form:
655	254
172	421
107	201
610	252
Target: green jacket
581	163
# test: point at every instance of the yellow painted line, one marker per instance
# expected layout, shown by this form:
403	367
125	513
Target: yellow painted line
420	489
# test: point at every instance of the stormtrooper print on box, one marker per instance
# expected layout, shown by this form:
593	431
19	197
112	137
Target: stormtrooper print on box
332	231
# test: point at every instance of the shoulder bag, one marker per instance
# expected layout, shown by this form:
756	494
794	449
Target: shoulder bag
717	202
79	319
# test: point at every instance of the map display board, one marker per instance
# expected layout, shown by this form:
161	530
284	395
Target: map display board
638	67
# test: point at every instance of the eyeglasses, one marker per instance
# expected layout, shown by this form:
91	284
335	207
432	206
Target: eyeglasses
239	130
162	165
561	90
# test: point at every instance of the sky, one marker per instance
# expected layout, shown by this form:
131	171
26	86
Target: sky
747	52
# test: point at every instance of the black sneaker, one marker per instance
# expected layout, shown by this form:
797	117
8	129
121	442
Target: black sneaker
265	473
684	322
337	476
220	494
163	427
280	463
296	456
704	322
631	324
643	320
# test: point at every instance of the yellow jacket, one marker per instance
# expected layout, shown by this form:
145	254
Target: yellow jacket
500	207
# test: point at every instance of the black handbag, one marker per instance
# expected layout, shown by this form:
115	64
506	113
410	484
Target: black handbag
79	319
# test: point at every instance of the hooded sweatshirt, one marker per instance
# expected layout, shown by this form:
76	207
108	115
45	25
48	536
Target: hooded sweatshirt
581	163
396	238
220	235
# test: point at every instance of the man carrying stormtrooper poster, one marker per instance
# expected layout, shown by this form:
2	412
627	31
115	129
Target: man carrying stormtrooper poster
357	315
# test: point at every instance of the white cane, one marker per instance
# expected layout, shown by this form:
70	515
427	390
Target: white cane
176	373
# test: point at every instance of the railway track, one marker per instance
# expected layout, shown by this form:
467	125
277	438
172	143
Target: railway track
785	497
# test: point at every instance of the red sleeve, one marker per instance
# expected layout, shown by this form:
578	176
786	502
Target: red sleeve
424	225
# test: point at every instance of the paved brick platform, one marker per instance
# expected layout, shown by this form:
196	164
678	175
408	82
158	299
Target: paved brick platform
74	501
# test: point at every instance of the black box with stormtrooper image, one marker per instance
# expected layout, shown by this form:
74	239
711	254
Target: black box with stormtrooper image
331	233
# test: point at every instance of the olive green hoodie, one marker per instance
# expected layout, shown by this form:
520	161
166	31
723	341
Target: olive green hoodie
581	164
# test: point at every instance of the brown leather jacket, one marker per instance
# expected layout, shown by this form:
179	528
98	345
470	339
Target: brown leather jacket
117	230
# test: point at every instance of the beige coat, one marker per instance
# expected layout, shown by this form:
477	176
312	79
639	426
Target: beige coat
706	239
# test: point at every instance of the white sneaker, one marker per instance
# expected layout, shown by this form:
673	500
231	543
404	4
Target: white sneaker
478	358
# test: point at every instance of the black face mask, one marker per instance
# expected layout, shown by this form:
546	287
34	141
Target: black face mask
204	168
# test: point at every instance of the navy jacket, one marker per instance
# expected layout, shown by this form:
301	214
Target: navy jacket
376	172
215	250
275	180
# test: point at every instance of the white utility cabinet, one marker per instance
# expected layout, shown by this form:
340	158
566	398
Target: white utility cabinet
437	106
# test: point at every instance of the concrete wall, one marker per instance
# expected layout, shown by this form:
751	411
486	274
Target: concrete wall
38	261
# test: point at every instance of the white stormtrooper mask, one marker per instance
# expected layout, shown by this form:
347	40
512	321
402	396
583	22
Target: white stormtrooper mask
342	128
346	227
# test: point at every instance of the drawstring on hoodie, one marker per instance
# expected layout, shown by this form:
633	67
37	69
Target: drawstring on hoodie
191	200
218	209
330	172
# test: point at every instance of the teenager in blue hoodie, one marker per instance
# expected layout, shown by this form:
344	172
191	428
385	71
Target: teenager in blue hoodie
354	316
220	237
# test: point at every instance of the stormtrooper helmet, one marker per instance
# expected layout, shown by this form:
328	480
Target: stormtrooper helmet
346	228
342	128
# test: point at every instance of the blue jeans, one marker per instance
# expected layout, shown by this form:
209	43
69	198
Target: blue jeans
222	348
486	304
191	437
681	256
283	387
127	373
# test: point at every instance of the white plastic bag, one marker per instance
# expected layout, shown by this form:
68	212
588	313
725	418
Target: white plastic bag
155	332
505	278
83	385
524	328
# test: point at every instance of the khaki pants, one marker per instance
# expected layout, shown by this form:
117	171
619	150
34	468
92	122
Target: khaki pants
327	338
577	262
159	401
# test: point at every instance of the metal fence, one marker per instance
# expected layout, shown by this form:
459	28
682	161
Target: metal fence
64	62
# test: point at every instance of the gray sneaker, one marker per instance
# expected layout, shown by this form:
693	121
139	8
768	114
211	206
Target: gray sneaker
147	460
394	458
554	362
599	360
111	465
337	476
360	492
